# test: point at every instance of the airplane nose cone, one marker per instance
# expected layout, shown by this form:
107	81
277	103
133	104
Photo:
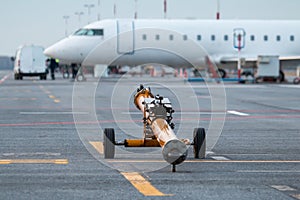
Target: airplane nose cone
50	52
58	50
70	50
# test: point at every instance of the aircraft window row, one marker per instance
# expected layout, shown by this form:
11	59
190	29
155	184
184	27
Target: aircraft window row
171	37
90	32
252	38
278	38
225	38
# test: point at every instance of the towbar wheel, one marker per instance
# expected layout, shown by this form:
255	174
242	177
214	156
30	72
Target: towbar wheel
109	143
199	143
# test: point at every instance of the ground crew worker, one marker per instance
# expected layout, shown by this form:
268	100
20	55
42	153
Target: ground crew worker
53	65
74	70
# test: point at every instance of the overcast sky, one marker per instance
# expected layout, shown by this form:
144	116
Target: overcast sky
41	22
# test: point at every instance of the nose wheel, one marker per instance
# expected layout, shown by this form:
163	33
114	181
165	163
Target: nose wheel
199	143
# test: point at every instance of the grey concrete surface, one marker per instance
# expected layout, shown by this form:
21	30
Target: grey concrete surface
256	157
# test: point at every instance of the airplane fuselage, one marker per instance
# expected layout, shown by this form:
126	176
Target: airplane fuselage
178	43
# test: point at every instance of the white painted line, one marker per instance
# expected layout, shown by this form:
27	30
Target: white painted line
257	154
289	86
233	112
233	86
268	171
128	160
201	113
131	113
53	113
283	188
201	97
209	152
183	113
31	154
219	158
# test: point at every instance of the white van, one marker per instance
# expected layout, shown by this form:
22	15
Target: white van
30	61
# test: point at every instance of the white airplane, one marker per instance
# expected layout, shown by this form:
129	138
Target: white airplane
179	43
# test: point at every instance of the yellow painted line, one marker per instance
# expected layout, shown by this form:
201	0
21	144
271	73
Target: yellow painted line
61	162
98	146
5	162
297	196
54	98
35	161
138	181
46	91
142	185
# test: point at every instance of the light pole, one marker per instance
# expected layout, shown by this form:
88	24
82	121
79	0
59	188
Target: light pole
99	17
136	10
79	17
66	18
218	10
115	10
89	6
165	9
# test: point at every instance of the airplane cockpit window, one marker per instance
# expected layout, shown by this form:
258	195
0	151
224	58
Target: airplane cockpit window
80	32
98	32
90	32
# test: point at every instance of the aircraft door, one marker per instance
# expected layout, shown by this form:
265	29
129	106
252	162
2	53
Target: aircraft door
126	36
239	38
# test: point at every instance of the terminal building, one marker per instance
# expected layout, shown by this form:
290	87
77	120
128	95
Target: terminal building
6	63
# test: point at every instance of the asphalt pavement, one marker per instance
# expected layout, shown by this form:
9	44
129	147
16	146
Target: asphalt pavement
51	140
